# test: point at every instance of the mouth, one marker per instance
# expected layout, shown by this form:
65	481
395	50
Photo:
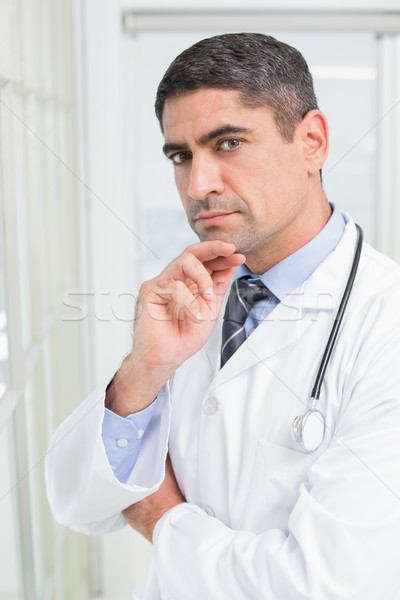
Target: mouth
213	218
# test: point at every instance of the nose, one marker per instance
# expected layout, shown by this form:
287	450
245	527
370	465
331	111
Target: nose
205	178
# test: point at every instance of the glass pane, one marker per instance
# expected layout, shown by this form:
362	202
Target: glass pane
9	558
6	54
36	484
22	212
16	55
3	318
344	68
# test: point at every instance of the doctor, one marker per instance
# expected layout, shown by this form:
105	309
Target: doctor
195	451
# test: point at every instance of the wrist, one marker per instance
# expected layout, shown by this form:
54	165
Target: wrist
134	387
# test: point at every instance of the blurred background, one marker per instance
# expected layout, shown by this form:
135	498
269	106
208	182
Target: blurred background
88	209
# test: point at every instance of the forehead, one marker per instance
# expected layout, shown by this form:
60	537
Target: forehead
205	109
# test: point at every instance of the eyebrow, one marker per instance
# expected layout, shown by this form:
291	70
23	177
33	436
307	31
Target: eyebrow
206	138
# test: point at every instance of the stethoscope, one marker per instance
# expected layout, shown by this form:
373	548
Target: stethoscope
308	430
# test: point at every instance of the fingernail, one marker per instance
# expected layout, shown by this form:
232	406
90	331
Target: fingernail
209	292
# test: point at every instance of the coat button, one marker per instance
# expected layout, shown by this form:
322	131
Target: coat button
210	406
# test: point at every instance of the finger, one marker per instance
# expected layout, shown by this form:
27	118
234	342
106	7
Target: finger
178	300
225	267
218	265
188	268
221	282
224	262
203	252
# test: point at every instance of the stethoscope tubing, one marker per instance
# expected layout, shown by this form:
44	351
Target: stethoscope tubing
338	319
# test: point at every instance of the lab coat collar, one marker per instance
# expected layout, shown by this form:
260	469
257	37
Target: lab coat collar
287	322
324	289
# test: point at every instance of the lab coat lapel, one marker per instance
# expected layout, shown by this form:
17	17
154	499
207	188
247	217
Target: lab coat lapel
282	327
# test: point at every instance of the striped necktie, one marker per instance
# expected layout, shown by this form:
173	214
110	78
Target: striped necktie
241	298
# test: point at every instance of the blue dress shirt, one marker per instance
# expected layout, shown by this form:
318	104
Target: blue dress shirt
122	436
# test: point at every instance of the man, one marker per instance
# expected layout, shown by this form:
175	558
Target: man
194	447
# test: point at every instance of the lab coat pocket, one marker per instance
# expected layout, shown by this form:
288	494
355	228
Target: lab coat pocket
278	474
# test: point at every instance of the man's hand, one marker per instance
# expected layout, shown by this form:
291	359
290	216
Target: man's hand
176	313
143	516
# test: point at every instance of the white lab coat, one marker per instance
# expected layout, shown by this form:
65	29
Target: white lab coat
263	519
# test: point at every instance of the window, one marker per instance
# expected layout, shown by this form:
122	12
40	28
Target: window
39	219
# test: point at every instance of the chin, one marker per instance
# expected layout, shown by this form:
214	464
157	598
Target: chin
214	233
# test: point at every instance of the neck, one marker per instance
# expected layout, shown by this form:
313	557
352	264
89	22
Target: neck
303	228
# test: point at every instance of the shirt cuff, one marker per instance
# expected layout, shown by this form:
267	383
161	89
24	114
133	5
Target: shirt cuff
122	438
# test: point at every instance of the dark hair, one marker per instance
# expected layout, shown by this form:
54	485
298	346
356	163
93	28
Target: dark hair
265	71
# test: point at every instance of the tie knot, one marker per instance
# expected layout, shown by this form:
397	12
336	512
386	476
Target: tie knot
243	295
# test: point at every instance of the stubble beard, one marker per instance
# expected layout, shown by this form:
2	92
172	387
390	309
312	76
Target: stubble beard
246	239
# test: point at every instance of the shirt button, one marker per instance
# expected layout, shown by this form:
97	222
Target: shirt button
140	433
210	511
210	406
122	443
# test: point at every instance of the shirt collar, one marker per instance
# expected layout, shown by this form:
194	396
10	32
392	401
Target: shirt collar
292	271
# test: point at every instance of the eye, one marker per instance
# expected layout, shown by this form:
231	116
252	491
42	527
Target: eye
180	157
231	144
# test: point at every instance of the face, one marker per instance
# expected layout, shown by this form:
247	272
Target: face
238	180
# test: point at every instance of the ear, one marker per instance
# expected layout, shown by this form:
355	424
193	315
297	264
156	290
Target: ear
315	140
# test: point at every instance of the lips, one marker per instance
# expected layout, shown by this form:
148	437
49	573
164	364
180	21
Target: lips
213	218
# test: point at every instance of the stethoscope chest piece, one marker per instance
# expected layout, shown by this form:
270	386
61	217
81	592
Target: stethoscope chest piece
308	430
